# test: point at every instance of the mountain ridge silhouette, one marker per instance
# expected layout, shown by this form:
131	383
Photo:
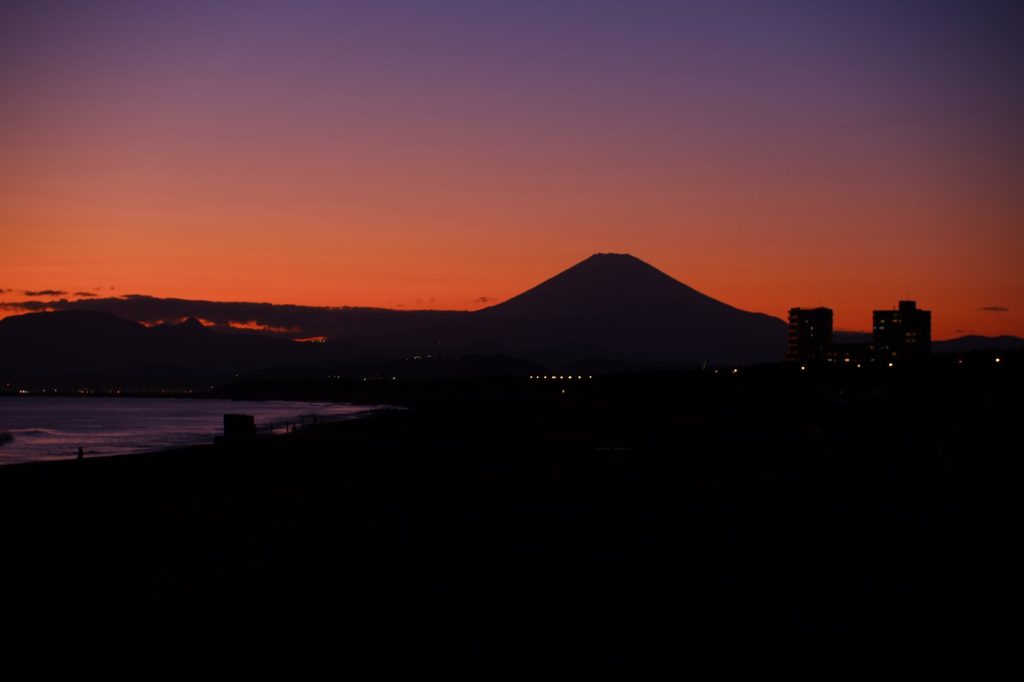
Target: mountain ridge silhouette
608	310
632	310
610	305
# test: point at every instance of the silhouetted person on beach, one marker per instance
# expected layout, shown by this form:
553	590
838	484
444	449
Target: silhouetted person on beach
81	453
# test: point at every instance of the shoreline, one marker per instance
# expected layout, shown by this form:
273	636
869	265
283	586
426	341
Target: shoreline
72	460
305	414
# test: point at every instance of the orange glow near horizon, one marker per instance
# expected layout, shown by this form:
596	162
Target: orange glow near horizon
955	312
957	279
253	325
768	164
248	325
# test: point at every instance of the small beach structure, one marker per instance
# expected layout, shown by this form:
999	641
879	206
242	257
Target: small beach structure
239	424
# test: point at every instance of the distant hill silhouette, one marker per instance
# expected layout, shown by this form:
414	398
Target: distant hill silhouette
960	344
90	346
609	310
974	342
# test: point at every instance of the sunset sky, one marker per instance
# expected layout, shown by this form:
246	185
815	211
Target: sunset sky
452	154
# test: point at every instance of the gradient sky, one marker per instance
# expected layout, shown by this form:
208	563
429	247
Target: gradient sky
450	154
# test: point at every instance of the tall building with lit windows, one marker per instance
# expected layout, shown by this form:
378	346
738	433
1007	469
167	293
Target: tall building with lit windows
905	332
810	334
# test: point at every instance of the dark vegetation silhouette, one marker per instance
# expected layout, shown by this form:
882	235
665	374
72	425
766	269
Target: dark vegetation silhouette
661	520
772	523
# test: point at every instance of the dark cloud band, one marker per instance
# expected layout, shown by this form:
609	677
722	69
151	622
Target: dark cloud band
45	292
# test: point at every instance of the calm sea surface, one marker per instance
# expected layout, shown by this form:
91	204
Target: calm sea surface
54	428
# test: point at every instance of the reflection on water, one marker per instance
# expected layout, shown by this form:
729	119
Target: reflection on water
54	428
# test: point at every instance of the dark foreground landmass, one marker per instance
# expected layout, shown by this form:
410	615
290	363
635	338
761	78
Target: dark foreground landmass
645	527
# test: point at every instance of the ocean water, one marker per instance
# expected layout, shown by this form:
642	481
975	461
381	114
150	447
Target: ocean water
46	428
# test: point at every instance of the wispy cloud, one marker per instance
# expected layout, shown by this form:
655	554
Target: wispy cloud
996	309
45	292
256	325
33	306
85	294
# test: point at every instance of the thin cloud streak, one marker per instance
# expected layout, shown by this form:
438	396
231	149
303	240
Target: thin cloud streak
45	292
